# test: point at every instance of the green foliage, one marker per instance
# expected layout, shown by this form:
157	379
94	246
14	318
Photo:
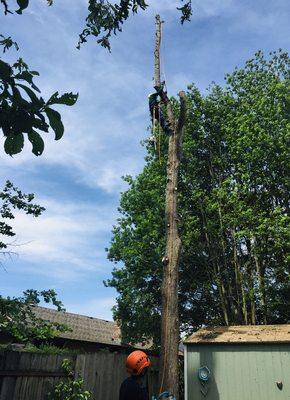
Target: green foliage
23	112
71	389
14	199
186	11
105	18
234	195
18	320
22	5
7	43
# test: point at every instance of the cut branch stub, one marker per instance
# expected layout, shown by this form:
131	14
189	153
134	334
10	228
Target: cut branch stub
165	260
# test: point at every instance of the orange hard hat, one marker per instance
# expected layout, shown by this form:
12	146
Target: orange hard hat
136	362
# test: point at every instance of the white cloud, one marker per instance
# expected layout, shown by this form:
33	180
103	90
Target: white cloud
67	240
211	8
98	308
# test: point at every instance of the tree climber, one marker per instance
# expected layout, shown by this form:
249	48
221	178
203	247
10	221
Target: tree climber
136	386
155	109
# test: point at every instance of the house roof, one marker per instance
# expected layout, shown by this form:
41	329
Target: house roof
86	329
241	334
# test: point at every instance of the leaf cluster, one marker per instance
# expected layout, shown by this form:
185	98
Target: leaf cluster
14	199
186	11
23	112
106	18
72	388
7	43
22	5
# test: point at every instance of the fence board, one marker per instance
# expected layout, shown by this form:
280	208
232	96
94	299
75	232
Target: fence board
30	376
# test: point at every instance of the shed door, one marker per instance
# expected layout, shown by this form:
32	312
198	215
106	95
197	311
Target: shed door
240	372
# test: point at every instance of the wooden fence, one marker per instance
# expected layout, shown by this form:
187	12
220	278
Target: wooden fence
30	376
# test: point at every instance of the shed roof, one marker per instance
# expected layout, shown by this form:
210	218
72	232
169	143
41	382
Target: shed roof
241	334
86	329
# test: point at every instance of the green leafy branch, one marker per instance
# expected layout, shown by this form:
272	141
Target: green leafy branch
14	199
106	18
186	11
22	4
24	111
7	43
72	389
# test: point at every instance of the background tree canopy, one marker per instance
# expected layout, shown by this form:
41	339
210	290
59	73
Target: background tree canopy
234	210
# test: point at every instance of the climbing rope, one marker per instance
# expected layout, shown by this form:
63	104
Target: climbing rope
159	136
153	128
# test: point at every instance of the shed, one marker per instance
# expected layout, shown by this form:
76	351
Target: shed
238	363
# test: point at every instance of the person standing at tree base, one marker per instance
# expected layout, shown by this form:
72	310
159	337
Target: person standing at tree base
136	386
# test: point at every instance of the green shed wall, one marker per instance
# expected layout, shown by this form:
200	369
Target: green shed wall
238	372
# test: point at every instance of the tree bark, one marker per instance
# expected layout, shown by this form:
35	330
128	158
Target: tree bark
261	281
216	269
169	359
157	51
242	304
223	296
251	281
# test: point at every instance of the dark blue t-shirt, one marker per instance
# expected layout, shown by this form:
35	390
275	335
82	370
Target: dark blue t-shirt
132	390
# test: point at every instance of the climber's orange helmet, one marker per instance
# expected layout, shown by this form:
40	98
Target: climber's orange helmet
136	362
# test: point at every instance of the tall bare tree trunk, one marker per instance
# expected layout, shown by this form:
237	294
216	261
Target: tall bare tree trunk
169	360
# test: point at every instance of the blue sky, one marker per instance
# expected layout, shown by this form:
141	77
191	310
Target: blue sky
78	179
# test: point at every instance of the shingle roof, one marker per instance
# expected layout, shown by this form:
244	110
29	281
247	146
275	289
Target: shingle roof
242	334
87	329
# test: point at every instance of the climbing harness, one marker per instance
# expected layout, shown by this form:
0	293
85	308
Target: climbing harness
159	137
155	109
